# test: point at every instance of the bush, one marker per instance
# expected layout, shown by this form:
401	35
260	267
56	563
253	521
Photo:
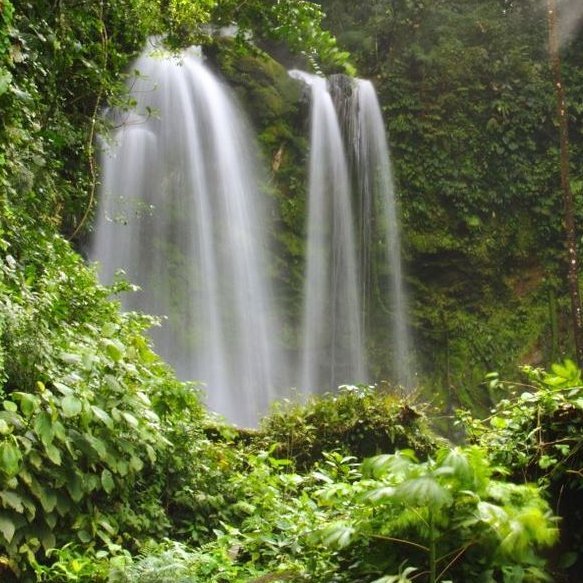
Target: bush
78	431
441	518
358	420
536	434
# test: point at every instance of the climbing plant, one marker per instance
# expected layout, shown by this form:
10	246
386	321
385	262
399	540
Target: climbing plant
469	106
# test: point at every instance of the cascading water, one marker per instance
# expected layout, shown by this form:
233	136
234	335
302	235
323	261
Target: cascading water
332	350
351	207
375	183
181	214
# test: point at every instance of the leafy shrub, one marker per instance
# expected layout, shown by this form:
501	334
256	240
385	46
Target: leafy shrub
78	430
536	433
268	537
392	519
444	518
358	420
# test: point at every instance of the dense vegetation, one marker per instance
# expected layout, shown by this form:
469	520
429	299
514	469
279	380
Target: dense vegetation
111	469
470	110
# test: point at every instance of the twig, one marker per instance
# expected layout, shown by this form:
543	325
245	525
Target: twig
399	540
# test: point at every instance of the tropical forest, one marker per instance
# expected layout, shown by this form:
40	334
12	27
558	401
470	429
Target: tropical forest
290	291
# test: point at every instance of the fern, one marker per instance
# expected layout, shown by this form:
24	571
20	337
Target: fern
447	514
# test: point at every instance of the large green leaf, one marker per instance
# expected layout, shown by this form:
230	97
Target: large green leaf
7	527
107	481
423	491
102	415
338	535
71	406
10	458
75	486
28	403
43	427
53	453
12	500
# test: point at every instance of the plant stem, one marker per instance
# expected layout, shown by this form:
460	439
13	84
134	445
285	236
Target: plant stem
432	550
400	540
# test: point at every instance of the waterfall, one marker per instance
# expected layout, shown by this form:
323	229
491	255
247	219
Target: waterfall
349	281
332	350
181	213
377	193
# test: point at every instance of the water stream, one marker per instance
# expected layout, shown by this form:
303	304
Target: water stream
182	213
333	350
352	212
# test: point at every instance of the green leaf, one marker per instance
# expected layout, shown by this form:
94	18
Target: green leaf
88	361
103	416
130	419
46	537
71	406
384	494
423	491
51	519
84	536
568	559
70	358
28	403
4	427
114	349
75	486
5	80
43	427
7	527
122	467
337	536
46	496
10	406
151	453
10	458
63	389
98	445
53	453
107	481
458	462
63	503
48	499
12	500
109	329
136	463
397	464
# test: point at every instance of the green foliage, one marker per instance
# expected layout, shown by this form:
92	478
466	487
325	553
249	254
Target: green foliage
357	420
396	520
100	446
469	108
102	449
78	426
270	540
297	23
536	430
64	64
447	516
73	562
535	433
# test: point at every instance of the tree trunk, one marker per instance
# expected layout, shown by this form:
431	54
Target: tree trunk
569	211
